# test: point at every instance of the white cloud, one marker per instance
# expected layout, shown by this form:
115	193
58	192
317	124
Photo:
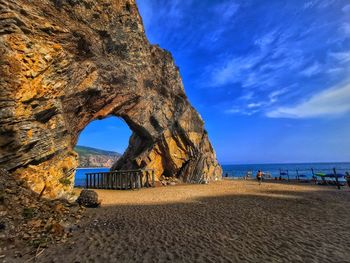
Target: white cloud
254	105
330	102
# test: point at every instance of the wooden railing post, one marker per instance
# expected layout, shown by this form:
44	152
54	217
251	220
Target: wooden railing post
123	180
147	179
129	179
119	181
141	178
115	180
125	176
136	178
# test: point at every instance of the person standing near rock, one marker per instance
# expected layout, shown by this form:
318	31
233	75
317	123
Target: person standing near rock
259	176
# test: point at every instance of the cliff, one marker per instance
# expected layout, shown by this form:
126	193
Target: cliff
91	157
64	63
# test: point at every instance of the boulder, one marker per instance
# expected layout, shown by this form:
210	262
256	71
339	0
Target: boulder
88	198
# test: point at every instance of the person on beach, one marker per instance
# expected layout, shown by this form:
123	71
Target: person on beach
259	176
347	177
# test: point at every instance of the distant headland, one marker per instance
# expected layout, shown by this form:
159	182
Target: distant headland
92	157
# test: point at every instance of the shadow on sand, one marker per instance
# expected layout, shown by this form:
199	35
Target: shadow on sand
269	226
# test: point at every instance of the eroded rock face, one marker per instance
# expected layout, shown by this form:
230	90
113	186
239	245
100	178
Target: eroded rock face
64	63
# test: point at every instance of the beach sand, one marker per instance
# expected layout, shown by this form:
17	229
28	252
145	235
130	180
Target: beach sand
226	221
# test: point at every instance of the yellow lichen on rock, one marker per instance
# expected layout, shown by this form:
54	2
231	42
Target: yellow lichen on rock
51	177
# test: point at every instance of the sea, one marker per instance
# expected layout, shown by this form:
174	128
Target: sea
80	177
238	171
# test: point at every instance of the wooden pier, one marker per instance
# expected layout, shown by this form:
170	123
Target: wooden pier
121	180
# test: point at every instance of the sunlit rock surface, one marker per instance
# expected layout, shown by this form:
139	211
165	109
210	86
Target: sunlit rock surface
64	63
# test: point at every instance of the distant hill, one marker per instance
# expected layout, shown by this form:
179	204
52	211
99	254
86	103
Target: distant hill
92	157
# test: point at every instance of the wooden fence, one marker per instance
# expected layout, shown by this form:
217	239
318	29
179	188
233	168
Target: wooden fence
121	180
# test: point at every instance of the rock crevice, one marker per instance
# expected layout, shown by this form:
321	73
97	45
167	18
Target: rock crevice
64	63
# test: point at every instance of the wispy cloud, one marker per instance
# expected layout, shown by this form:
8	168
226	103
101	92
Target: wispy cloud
226	10
281	58
223	15
342	57
346	29
273	96
266	40
241	111
335	70
330	102
257	106
310	4
318	3
247	96
254	105
233	110
312	70
346	9
246	54
176	23
234	70
272	56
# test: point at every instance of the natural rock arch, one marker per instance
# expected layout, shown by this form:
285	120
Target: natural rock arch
64	63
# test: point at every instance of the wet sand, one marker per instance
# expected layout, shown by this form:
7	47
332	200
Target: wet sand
227	221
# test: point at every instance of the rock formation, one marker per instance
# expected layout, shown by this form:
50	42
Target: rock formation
28	222
64	63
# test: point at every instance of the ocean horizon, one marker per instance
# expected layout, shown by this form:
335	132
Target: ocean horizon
240	170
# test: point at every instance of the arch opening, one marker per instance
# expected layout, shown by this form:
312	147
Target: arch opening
100	145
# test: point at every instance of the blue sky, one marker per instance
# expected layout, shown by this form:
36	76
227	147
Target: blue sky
270	78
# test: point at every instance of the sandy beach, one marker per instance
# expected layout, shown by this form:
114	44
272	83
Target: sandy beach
226	221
